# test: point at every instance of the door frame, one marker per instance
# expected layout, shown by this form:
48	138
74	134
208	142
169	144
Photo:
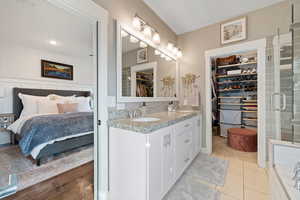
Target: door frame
99	17
142	67
260	47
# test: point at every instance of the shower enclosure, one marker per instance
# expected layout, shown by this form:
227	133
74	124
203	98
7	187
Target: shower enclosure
285	99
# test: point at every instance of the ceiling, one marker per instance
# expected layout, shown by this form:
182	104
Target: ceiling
185	16
34	23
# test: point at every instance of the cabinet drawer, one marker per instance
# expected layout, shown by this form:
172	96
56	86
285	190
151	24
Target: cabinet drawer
185	125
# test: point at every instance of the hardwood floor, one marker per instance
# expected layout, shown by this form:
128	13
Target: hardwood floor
76	184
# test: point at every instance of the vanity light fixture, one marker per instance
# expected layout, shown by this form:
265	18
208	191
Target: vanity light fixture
156	38
53	42
124	34
143	44
133	39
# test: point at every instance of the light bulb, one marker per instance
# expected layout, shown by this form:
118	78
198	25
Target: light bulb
162	55
133	39
53	42
179	54
156	52
124	34
175	50
156	38
147	31
143	44
170	46
136	23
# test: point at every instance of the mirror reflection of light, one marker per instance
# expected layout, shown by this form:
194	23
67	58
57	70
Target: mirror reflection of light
143	44
53	42
156	52
133	39
124	34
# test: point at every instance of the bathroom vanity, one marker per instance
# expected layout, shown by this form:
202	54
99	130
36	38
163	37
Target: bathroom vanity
283	159
147	158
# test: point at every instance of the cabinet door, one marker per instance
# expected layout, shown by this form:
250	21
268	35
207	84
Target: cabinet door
197	136
161	162
168	162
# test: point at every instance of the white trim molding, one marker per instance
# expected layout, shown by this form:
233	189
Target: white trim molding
260	47
99	18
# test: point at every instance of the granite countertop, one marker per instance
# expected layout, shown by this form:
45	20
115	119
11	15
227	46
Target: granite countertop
166	119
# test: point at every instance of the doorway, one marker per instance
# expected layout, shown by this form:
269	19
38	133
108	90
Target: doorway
258	46
70	38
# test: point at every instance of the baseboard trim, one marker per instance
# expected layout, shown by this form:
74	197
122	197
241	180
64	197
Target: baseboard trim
205	150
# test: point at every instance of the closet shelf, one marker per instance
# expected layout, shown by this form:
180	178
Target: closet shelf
239	104
233	75
245	125
250	101
231	104
230	124
249	119
249	111
243	89
244	81
141	79
236	65
232	97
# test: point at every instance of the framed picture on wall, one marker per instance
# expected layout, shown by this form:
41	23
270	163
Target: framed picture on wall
142	56
56	70
234	31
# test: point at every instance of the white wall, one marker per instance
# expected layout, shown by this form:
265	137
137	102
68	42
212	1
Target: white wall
24	62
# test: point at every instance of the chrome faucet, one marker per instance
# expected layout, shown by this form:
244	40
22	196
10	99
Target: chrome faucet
135	113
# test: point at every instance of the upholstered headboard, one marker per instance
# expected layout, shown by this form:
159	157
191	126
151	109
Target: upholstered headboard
17	103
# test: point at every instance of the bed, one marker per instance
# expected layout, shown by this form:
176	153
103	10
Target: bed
59	146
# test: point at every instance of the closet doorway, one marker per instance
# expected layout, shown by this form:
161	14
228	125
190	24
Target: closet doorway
237	95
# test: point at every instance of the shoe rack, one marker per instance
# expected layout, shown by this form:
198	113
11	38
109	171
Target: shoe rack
236	89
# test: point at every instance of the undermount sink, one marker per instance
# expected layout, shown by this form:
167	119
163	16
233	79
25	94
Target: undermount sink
145	119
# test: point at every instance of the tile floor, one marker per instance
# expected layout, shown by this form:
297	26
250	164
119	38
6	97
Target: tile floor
244	180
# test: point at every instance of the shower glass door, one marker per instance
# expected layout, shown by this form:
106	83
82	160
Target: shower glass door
295	30
285	99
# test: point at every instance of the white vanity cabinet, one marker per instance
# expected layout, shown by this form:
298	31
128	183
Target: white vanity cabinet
145	166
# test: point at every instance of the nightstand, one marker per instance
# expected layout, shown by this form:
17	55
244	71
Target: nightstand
5	121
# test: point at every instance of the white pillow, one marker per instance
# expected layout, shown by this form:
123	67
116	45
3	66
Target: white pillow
47	107
30	104
83	104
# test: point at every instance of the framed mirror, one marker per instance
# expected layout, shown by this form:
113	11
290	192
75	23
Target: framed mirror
144	72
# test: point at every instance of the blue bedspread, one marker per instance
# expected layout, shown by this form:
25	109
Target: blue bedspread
42	129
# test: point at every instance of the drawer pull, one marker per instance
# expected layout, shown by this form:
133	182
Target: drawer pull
187	141
186	160
187	125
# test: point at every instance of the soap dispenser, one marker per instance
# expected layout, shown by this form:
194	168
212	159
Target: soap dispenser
171	106
143	108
